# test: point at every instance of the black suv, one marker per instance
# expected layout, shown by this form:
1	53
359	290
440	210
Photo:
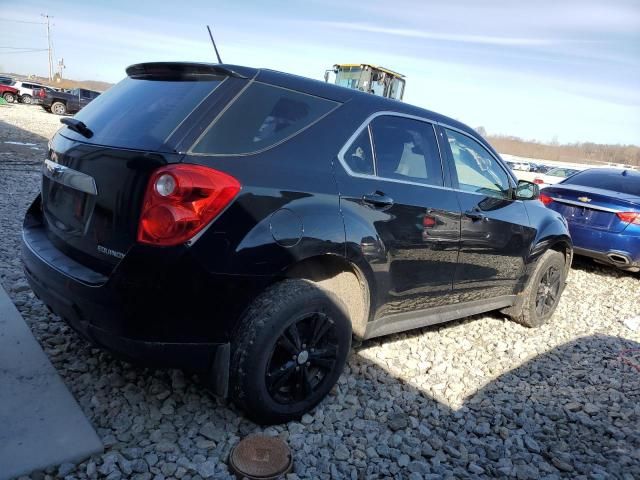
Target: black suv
246	223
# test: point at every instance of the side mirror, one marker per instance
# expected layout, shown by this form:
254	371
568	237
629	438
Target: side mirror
527	190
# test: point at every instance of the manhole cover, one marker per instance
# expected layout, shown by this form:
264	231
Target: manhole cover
260	457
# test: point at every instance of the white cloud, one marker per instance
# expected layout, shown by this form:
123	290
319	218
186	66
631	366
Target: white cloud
449	37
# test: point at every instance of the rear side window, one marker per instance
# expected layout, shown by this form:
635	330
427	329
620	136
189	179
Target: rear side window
406	149
142	113
263	116
629	183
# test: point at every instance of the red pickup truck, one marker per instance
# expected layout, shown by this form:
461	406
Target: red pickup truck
10	94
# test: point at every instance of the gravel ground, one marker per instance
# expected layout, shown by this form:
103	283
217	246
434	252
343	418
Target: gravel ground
481	397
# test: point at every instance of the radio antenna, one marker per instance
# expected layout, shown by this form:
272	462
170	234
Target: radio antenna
214	45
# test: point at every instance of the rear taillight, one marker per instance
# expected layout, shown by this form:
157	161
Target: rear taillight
41	93
546	199
629	217
538	181
181	200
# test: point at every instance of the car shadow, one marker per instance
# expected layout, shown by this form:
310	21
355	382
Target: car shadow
587	264
571	411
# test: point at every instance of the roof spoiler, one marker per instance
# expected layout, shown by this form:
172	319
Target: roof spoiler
178	69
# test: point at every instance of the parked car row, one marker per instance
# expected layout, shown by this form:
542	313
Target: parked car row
526	166
555	175
54	100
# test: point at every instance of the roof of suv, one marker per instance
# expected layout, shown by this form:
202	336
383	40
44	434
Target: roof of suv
343	94
296	82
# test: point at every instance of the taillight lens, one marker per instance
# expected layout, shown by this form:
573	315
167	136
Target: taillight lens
181	200
629	217
538	181
546	199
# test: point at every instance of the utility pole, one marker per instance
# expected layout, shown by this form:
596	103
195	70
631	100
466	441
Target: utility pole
61	66
48	17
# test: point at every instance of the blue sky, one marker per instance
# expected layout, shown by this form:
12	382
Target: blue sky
568	69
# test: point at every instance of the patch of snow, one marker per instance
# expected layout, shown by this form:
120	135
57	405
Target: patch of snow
20	143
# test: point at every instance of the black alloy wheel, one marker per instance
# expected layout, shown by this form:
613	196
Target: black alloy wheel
538	301
290	348
548	291
302	358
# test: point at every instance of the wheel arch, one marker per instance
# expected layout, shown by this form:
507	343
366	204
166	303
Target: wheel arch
342	278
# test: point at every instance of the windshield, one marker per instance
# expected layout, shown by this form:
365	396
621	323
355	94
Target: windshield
142	113
349	77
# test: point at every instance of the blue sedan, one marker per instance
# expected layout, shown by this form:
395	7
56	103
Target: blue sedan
602	208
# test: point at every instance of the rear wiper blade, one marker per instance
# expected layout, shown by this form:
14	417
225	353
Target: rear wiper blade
77	126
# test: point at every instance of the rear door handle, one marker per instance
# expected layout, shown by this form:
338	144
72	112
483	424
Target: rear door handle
377	200
475	215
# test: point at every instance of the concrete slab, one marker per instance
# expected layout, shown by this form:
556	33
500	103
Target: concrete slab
41	424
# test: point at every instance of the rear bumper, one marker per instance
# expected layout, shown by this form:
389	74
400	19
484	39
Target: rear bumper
608	247
141	317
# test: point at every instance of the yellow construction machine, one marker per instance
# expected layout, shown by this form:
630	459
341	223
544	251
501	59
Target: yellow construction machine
368	78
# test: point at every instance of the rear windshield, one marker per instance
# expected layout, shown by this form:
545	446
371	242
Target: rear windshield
617	182
263	116
142	113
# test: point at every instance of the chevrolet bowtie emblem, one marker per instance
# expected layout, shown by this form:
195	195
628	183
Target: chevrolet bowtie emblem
584	199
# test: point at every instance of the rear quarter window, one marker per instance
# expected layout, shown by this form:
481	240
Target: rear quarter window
261	117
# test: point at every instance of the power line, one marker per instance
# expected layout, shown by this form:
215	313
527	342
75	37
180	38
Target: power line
23	51
20	21
22	48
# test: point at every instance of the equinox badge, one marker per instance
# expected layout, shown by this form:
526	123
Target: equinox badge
108	251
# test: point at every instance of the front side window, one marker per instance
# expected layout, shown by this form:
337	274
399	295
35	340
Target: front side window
263	116
406	149
478	171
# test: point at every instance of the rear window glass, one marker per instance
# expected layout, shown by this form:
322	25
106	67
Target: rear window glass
263	116
617	182
142	113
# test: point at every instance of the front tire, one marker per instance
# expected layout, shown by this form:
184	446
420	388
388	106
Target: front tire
58	108
542	294
289	351
26	99
9	97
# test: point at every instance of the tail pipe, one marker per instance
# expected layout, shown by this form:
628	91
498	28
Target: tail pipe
619	258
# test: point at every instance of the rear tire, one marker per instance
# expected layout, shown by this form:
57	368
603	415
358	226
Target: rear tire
542	294
58	108
26	99
290	348
9	97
